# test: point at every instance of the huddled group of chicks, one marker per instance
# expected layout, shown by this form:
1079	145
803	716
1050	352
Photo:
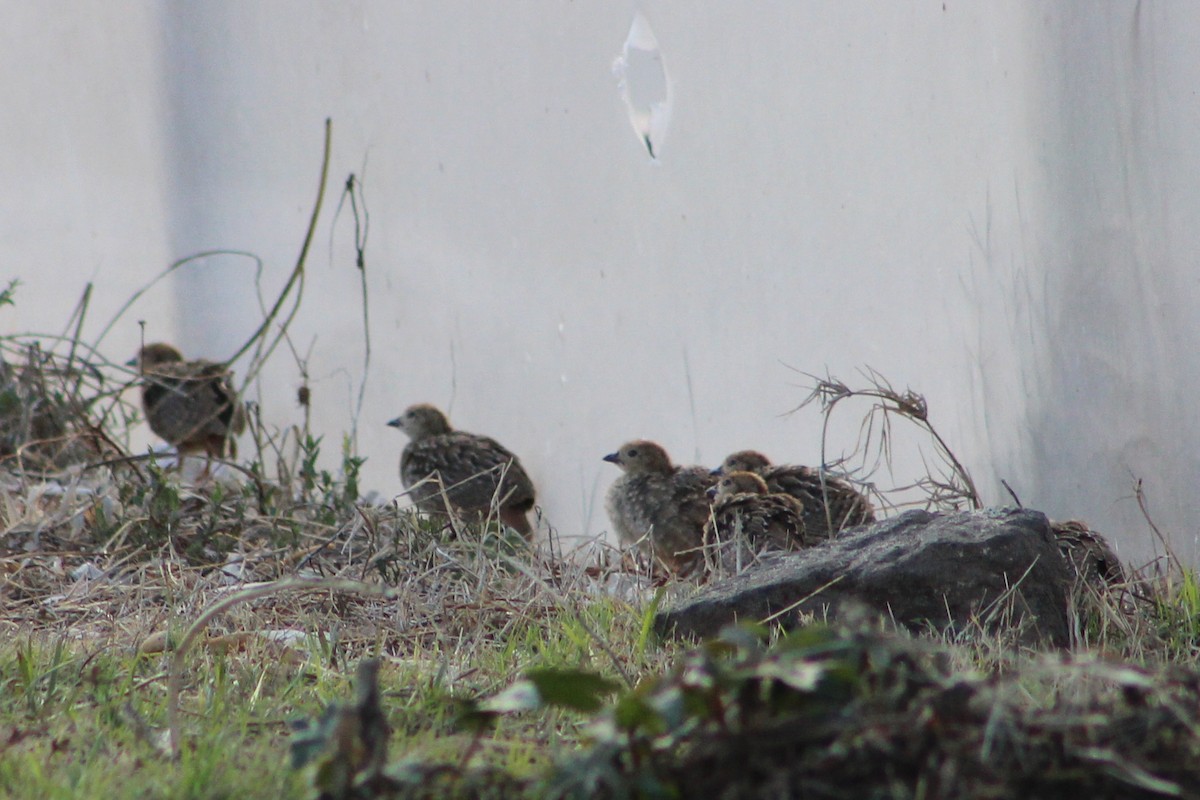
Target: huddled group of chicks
688	520
692	519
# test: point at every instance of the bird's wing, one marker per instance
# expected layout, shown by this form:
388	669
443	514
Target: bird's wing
188	402
689	493
470	467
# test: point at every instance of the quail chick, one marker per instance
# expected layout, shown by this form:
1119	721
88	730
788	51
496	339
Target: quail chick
658	506
1088	554
829	506
190	404
746	515
477	473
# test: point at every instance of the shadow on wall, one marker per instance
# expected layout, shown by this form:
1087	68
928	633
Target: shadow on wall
1113	390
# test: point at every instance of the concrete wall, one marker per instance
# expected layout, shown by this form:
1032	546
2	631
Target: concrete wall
988	202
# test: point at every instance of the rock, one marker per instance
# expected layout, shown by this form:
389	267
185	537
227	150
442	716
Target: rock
918	568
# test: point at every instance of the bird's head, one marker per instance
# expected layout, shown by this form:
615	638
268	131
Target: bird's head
420	421
641	456
738	482
152	355
743	461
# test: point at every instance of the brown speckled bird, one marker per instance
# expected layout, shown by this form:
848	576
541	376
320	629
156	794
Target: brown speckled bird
829	506
1088	554
747	519
477	472
190	404
658	506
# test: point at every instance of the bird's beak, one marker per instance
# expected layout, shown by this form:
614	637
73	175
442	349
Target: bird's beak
396	423
131	362
613	458
717	471
711	493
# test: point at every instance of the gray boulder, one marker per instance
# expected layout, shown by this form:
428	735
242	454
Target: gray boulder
998	567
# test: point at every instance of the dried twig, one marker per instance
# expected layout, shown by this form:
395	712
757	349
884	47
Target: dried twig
887	402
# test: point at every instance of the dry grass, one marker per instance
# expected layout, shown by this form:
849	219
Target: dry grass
945	484
127	565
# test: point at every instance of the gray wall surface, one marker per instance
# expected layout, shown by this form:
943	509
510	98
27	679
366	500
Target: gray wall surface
989	202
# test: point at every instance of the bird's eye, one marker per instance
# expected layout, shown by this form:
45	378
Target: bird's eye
411	414
632	452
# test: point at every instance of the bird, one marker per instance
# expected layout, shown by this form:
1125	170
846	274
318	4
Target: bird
471	474
659	507
1088	555
190	404
748	516
830	504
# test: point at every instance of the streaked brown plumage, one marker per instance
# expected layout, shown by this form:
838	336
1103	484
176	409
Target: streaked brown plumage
477	472
1088	554
658	506
746	515
830	506
190	404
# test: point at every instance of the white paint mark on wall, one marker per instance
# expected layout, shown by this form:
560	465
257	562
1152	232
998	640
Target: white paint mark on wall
645	85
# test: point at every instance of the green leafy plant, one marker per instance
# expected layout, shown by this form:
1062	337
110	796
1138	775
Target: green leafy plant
8	293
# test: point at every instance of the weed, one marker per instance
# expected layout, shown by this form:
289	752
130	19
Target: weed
947	484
